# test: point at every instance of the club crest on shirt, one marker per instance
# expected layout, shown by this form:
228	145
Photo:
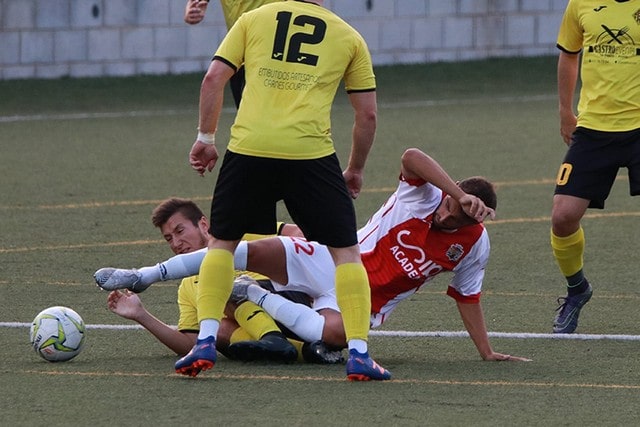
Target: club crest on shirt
636	16
455	252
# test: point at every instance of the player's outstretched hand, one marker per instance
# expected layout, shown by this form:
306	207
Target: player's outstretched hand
125	304
499	357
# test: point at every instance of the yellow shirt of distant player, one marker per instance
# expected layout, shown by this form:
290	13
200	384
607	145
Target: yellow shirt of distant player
232	9
608	33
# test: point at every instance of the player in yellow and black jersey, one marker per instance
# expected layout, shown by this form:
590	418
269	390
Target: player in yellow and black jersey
295	54
599	40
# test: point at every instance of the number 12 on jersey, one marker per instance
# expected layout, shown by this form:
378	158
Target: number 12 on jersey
297	39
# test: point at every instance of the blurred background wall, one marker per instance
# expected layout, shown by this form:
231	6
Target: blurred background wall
90	38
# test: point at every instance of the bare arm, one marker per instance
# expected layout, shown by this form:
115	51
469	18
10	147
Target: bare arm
473	319
363	135
211	95
417	164
128	305
568	66
203	156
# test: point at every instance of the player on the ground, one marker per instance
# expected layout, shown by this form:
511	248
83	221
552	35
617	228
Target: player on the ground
604	137
247	332
428	226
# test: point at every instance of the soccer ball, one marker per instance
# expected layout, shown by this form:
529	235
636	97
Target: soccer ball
57	334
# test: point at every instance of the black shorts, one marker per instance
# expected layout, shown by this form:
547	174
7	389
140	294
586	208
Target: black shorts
592	163
314	193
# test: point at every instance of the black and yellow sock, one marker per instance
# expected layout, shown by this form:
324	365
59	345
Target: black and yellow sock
568	252
255	320
298	345
240	335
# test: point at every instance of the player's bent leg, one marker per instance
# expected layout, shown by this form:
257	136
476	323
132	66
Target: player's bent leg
333	333
271	344
264	256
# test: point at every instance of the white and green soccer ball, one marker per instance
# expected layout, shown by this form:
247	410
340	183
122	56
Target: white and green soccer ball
57	334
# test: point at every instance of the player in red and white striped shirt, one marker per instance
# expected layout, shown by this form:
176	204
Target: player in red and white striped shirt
428	226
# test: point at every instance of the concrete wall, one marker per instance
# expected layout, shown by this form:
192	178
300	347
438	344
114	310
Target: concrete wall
83	38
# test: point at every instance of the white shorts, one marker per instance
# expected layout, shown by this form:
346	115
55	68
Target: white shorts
311	270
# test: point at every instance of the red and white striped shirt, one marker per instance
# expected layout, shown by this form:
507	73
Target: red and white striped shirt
401	251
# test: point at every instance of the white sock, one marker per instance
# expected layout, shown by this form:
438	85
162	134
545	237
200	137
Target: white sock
176	267
208	328
240	256
150	275
181	266
359	345
304	321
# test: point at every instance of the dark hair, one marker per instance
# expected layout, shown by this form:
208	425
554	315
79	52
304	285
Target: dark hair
169	207
482	189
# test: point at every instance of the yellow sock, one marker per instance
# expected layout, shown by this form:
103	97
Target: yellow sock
354	299
215	284
568	252
252	318
298	345
239	335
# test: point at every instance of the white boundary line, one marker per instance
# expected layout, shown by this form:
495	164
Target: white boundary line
171	112
512	335
411	334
